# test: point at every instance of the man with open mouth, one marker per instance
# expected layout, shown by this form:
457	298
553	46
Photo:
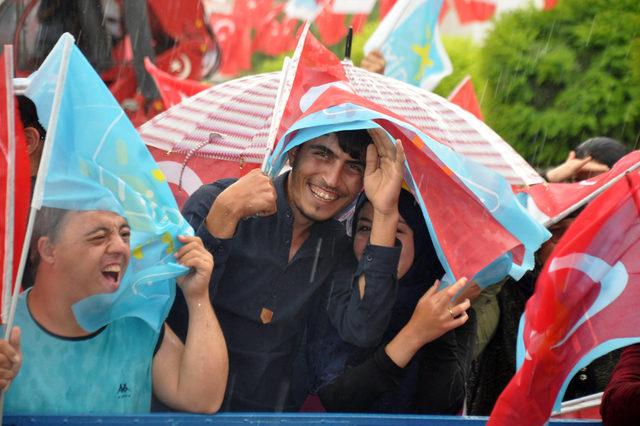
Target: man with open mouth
63	368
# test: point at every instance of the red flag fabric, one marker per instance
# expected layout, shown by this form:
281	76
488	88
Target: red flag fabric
590	282
331	27
385	7
13	218
474	10
276	33
187	171
464	96
548	202
234	38
172	89
550	4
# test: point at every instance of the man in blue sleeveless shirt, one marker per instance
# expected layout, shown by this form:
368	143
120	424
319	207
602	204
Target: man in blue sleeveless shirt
113	370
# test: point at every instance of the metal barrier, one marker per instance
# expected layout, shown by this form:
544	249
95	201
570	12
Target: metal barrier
236	419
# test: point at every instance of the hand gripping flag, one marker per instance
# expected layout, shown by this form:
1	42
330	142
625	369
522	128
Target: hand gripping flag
94	160
585	305
14	183
473	217
408	38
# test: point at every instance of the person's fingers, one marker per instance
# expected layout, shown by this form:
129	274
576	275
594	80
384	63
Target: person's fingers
433	289
582	162
459	321
450	292
571	156
14	339
372	160
400	157
191	246
8	354
383	144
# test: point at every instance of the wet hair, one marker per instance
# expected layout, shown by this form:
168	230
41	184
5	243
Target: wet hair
354	142
29	115
48	223
602	149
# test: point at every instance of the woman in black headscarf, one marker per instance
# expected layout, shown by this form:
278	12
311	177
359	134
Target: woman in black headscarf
422	364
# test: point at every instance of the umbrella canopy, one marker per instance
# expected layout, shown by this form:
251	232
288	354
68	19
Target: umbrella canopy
231	122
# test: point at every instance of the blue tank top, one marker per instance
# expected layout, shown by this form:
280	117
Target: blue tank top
108	372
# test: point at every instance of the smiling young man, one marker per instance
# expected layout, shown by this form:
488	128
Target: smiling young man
55	366
278	247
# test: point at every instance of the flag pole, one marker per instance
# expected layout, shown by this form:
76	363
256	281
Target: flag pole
347	45
284	89
395	15
11	184
272	127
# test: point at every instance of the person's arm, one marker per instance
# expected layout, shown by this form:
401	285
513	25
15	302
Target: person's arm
251	195
621	398
360	305
193	376
434	315
374	61
358	387
214	212
570	168
10	358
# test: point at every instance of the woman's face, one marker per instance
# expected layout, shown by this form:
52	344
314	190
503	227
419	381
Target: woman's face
404	233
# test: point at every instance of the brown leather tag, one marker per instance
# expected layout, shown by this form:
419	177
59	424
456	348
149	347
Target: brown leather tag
266	315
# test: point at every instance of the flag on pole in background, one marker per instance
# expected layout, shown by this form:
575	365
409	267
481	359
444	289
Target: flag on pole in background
465	97
474	10
172	89
94	159
305	10
474	219
585	305
15	185
408	38
350	7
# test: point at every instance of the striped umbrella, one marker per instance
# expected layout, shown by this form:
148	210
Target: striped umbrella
230	122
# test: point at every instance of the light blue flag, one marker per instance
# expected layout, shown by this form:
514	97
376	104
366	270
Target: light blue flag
491	189
95	160
409	39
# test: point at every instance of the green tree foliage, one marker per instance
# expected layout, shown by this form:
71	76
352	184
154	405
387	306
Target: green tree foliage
465	60
561	76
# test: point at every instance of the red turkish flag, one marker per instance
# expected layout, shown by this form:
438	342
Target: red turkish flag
550	4
276	33
14	199
186	172
385	7
474	10
464	96
331	27
585	304
172	89
234	38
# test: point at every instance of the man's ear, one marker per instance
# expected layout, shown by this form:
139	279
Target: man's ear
46	250
292	154
32	136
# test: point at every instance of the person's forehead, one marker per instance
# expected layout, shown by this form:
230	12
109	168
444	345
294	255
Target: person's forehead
328	140
94	219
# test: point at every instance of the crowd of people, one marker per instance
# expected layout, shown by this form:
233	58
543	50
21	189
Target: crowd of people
285	307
